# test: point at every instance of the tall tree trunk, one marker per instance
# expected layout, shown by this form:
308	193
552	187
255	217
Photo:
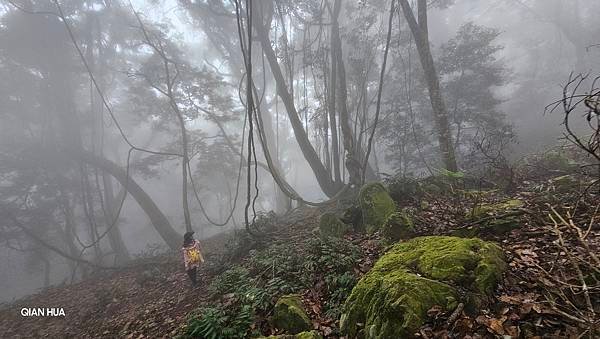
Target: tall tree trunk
68	233
158	219
114	234
329	187
98	65
353	151
184	164
420	35
332	101
281	204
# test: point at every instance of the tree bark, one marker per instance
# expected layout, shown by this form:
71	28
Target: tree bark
332	98
184	165
440	113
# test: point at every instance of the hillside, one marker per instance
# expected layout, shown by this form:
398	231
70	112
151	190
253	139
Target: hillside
539	294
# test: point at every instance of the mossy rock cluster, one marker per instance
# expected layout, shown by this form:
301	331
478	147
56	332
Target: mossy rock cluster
376	206
399	225
392	299
331	226
302	335
289	315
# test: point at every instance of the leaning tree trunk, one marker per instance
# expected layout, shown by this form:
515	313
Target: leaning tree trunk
158	219
420	35
329	187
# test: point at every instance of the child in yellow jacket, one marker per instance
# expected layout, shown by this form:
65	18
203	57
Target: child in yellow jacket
192	257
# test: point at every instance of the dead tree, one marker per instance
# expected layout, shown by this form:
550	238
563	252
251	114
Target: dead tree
575	99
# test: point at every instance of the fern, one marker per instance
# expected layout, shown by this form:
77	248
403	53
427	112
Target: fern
219	323
233	280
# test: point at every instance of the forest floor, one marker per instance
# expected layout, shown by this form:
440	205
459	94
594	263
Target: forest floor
542	294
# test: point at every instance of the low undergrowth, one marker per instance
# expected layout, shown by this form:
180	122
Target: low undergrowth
244	295
324	270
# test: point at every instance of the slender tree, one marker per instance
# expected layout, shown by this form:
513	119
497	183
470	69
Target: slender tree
420	34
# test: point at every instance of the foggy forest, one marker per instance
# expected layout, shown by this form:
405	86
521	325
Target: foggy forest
304	169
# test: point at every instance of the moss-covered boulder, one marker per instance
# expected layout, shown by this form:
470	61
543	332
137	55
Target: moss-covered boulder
399	225
309	335
492	219
497	208
289	315
302	335
493	227
331	226
376	206
392	299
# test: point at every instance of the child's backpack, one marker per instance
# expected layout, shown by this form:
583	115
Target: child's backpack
193	254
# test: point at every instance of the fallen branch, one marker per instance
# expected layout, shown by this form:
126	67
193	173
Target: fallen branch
454	316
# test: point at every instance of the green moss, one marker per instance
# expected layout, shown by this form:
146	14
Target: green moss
393	304
495	226
289	315
376	205
392	299
448	259
489	227
309	335
331	226
501	207
399	225
303	335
